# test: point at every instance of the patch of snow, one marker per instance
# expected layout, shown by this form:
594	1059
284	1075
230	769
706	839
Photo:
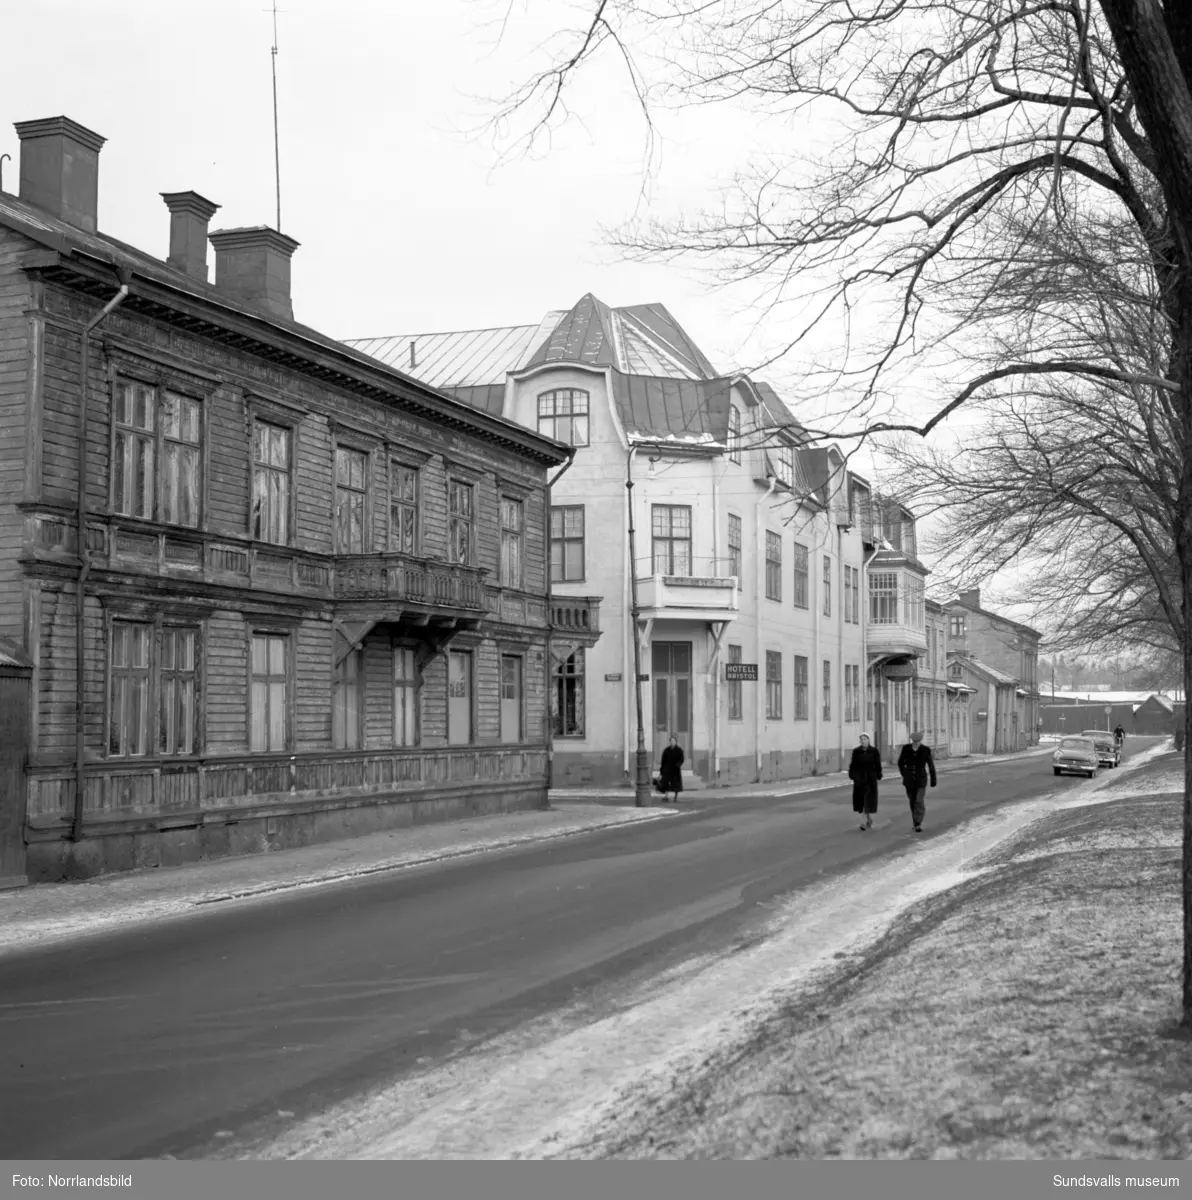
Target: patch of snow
541	1091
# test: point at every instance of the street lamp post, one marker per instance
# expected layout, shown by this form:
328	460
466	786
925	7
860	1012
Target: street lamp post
641	786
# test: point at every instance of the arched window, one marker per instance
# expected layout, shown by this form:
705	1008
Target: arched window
563	415
734	433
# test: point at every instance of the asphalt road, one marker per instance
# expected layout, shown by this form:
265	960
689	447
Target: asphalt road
164	1039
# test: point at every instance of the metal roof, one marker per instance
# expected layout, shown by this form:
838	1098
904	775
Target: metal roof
663	386
468	358
993	673
67	240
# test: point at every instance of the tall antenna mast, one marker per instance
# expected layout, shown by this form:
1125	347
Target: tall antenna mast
276	143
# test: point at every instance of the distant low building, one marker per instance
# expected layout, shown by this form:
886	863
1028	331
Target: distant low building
1011	650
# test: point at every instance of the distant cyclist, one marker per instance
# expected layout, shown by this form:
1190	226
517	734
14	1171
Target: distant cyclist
1119	735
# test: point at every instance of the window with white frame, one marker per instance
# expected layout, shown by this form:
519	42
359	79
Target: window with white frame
734	433
129	689
351	500
802	686
461	515
270	671
827	689
563	415
513	520
405	696
347	707
956	623
567	543
671	529
272	463
883	598
734	546
786	465
913	609
802	576
460	683
567	694
177	675
773	685
773	566
157	441
511	697
403	508
827	586
153	674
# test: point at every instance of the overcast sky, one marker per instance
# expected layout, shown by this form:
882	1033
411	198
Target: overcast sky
412	216
407	218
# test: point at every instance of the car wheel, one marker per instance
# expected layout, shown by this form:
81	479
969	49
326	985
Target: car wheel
1057	770
1093	774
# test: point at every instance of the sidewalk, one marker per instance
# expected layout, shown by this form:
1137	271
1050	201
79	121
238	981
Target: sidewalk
53	912
781	787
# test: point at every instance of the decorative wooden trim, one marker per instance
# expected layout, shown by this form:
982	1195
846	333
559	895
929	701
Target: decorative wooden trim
158	361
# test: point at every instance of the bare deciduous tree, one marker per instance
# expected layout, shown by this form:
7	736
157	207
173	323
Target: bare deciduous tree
968	126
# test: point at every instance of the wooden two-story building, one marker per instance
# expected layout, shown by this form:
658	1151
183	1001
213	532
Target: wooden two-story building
269	590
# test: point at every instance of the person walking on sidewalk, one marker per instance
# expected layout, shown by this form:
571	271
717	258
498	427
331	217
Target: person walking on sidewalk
670	770
916	766
865	769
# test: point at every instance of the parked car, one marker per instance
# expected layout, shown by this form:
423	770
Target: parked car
1108	750
1076	756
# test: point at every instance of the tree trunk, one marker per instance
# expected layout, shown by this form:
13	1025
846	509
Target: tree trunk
1183	543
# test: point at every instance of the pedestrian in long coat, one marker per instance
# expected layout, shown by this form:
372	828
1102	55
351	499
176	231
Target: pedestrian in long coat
916	766
865	769
670	769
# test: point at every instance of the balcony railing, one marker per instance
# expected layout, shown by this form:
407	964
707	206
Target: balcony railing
401	577
575	614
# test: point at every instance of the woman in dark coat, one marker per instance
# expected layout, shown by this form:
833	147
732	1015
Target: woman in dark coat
670	770
865	769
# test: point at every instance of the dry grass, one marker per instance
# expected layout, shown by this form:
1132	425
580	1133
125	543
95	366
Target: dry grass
1030	1013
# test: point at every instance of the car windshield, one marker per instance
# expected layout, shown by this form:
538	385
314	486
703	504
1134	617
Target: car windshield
1098	735
1076	743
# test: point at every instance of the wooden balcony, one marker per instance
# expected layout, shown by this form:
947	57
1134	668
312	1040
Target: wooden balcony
405	579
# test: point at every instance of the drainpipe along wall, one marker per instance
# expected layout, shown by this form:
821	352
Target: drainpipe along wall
760	593
549	666
76	829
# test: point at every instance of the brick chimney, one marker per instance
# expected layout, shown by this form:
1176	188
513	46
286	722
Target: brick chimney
253	265
972	597
60	169
190	214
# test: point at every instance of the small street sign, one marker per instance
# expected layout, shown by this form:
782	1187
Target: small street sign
1108	709
613	678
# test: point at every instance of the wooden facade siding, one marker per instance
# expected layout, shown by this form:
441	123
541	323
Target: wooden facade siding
214	577
312	687
156	792
15	300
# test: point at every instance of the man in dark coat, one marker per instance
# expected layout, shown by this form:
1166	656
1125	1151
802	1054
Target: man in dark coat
916	766
865	769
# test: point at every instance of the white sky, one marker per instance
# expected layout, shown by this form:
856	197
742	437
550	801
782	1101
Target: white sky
406	218
410	219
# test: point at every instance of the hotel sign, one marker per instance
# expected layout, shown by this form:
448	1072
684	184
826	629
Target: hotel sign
740	671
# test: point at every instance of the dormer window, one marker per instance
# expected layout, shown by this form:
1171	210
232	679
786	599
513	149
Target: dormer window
563	415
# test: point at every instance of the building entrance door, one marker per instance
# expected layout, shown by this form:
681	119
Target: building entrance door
671	670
